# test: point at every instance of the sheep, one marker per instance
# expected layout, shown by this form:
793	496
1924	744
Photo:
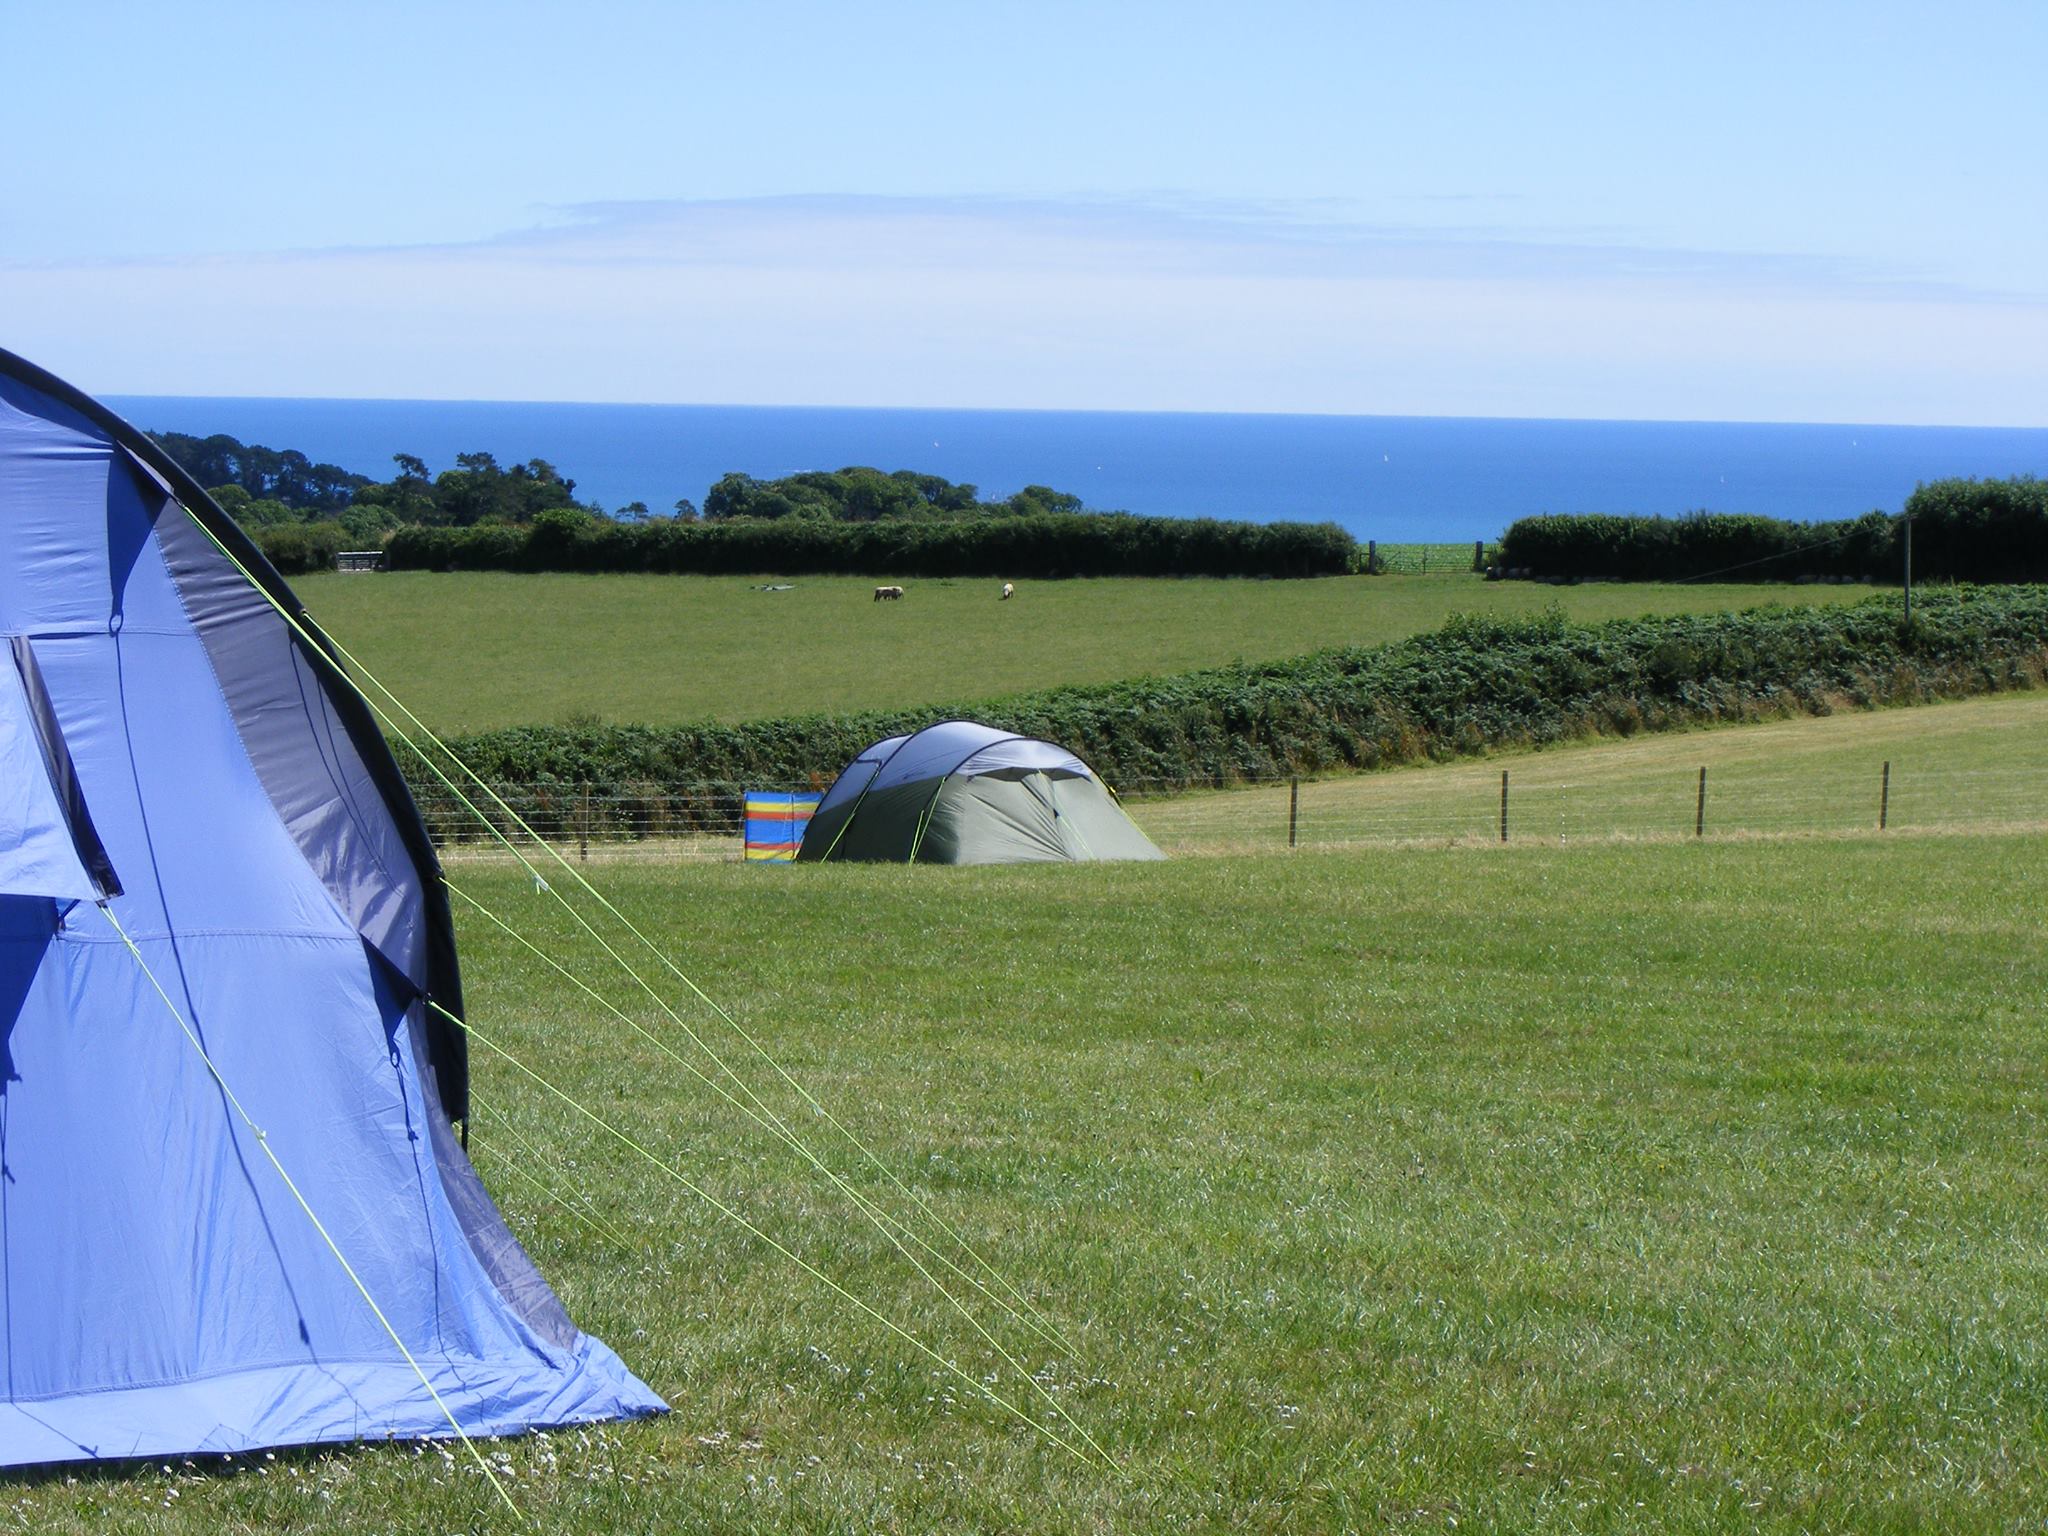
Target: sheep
892	593
1008	592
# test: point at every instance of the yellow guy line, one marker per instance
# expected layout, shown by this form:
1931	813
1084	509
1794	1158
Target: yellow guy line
321	648
774	1127
881	1220
980	1387
263	1141
589	1217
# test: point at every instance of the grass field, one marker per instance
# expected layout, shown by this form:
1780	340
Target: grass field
1600	1188
1970	763
471	651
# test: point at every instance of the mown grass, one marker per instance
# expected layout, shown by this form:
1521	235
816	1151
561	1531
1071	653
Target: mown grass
477	650
1971	762
1606	1188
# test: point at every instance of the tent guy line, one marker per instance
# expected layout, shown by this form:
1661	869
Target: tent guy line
881	1218
981	1388
263	1144
336	655
587	1212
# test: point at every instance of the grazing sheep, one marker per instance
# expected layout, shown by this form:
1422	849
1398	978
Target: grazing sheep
1008	592
892	593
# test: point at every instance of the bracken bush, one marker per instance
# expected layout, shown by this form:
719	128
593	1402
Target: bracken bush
1475	685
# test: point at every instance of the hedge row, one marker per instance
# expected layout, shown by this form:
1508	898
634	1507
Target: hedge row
1963	530
1980	530
1098	544
296	548
1475	685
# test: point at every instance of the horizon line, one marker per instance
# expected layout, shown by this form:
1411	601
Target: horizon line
1056	410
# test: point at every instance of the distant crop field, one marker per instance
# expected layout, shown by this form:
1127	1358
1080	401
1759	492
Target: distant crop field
1422	559
1604	1187
472	651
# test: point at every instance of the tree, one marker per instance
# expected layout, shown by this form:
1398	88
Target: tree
411	494
251	512
1043	498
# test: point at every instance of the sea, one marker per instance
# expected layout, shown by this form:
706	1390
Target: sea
1397	479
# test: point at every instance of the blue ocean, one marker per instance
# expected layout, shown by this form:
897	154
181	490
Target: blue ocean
1397	479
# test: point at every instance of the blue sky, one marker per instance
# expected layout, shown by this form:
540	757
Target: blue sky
1811	212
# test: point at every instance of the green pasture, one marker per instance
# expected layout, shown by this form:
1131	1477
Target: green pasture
1606	1187
471	651
1970	763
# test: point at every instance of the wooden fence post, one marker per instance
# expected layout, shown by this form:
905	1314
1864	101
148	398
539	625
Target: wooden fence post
1884	796
1699	820
583	823
1293	808
1503	805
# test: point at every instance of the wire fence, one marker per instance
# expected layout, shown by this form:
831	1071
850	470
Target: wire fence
1703	802
1521	803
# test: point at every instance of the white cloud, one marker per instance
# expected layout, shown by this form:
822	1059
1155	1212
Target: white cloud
1104	304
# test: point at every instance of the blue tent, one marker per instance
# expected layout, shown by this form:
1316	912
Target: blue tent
172	751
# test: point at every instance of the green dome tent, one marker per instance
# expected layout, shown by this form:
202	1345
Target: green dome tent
962	793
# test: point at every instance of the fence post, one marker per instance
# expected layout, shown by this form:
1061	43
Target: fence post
1699	820
1503	805
1293	808
1479	554
1884	796
583	823
1372	556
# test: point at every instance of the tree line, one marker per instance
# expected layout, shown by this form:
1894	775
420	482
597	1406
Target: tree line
859	494
481	515
283	477
267	487
270	488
